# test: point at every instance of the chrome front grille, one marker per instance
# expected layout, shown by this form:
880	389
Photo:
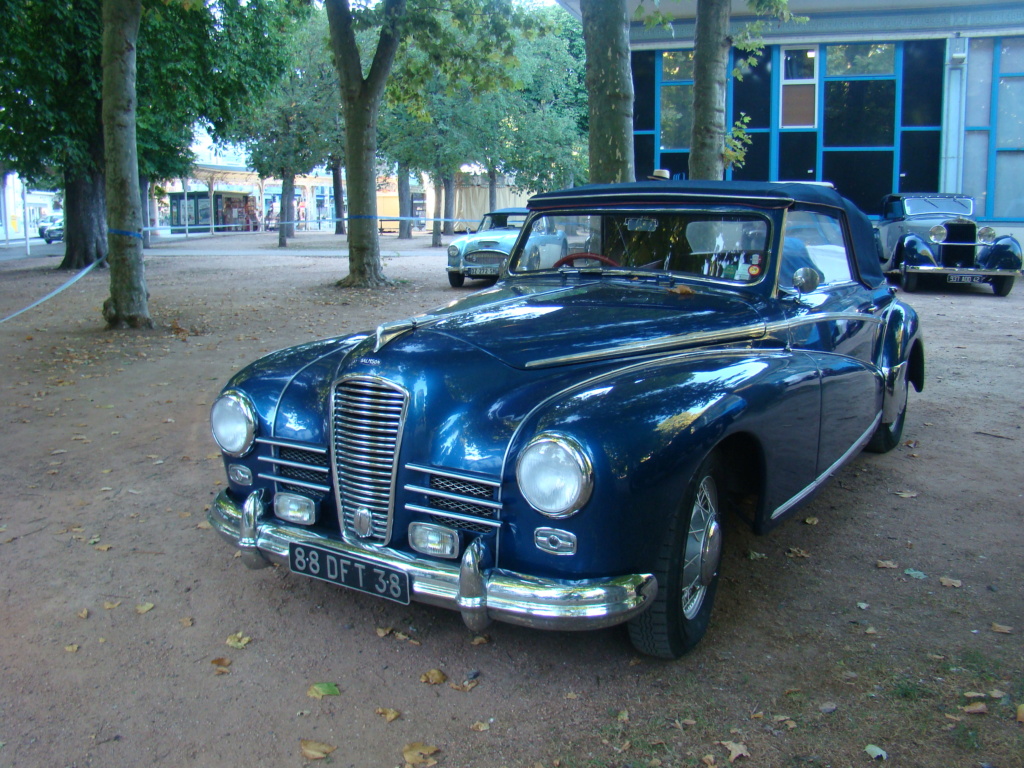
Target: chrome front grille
458	501
366	428
297	468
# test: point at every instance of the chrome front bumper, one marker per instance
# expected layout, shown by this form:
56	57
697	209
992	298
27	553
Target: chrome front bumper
481	595
927	269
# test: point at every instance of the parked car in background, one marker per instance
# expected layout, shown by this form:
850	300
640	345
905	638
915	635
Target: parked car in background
45	222
936	234
480	255
55	231
567	448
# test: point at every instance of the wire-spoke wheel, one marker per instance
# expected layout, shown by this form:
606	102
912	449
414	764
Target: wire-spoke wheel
687	571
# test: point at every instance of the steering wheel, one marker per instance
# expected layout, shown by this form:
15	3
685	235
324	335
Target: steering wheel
572	257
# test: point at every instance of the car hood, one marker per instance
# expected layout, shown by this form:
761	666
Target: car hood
491	239
545	323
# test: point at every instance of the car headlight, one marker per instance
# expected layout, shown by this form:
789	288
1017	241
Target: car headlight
233	421
937	234
555	475
987	235
453	252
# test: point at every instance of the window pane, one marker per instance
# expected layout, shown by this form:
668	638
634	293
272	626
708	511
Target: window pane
922	82
676	163
976	168
677	65
755	166
919	161
1009	191
676	116
1010	122
864	177
979	82
814	240
798	107
1011	57
798	156
753	94
643	154
860	59
643	90
798	63
860	113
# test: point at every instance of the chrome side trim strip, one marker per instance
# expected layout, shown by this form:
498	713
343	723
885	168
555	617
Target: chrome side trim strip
825	475
454	496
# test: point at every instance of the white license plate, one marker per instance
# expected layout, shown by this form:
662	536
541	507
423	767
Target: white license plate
347	571
965	278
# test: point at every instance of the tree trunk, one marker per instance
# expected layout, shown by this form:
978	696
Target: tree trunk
435	233
339	196
492	189
448	180
284	229
710	78
85	225
128	305
609	89
404	203
360	98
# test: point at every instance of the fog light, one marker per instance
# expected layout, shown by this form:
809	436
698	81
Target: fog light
240	475
434	540
295	508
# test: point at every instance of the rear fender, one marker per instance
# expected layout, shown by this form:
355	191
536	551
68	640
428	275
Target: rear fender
901	355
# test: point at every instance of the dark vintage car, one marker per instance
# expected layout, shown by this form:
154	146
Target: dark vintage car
482	254
567	448
54	232
936	234
44	222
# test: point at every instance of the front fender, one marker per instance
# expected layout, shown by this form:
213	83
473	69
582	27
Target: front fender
647	427
901	355
917	252
1004	253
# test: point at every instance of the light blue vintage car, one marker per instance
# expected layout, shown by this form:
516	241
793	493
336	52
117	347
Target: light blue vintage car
482	254
569	448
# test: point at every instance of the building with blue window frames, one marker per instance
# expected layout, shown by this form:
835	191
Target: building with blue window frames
875	96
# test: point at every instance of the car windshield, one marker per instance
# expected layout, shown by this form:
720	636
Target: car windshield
943	206
706	244
502	221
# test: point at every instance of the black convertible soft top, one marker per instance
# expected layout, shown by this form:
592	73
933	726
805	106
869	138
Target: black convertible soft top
760	193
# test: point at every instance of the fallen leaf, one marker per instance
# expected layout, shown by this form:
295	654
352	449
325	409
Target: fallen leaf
480	640
915	574
1020	713
83	614
976	708
478	726
466	686
73	648
315	750
417	754
186	622
870	631
319	690
571	695
384	631
144	608
948	582
709	760
107	605
828	708
797	552
433	677
906	494
752	555
736	750
1002	629
623	716
876	753
389	715
103	547
863	606
974	695
221	661
238	641
687	721
682	290
810	521
205	526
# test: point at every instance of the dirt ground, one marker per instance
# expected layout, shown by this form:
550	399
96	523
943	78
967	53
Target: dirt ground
117	602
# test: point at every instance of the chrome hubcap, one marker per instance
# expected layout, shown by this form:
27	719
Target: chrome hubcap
703	548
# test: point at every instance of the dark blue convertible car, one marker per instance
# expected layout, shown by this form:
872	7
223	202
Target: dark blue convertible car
567	448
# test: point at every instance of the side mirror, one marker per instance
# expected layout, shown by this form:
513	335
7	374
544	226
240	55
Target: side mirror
806	280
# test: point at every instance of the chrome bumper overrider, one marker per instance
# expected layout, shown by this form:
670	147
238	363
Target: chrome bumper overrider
479	594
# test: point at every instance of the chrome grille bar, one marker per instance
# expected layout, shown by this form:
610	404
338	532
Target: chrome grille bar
296	466
366	427
455	499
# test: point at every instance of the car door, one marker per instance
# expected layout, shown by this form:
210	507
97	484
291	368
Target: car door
837	324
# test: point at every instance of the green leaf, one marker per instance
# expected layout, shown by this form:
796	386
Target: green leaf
319	690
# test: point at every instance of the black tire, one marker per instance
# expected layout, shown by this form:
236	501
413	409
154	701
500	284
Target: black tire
1002	285
887	436
909	281
456	279
687	571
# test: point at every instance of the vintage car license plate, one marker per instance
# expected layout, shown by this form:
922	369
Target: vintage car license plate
965	278
351	572
482	271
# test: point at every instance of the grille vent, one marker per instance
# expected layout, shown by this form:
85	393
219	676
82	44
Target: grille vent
296	469
472	503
